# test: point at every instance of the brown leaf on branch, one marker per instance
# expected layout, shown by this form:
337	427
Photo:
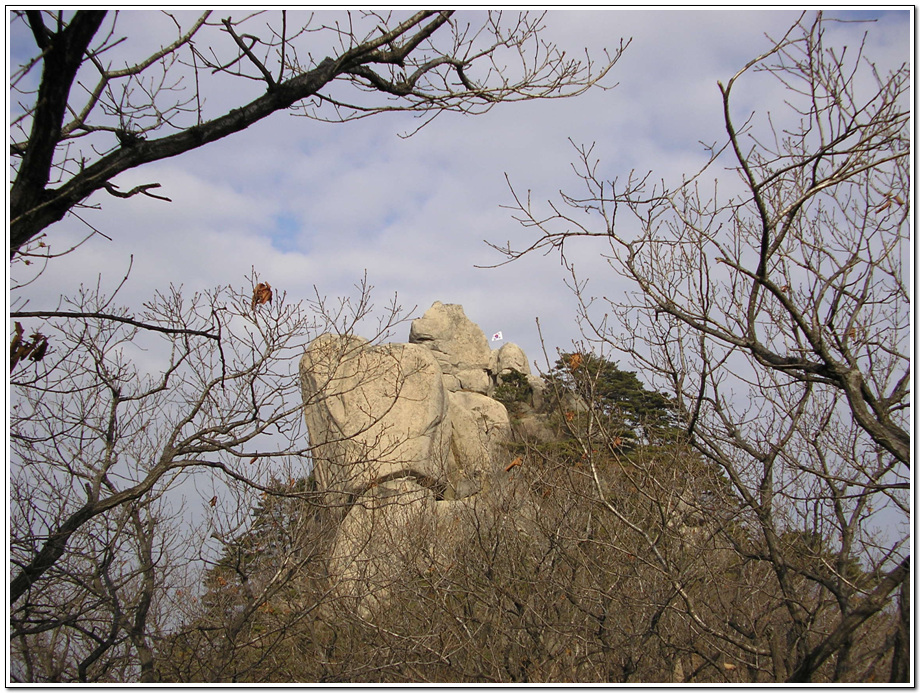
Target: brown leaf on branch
887	203
15	343
261	294
34	348
39	347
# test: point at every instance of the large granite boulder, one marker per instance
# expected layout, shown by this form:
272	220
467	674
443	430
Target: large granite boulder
408	443
458	344
380	542
510	357
479	425
394	533
373	412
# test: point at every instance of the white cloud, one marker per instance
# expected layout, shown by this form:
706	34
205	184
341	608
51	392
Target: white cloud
414	213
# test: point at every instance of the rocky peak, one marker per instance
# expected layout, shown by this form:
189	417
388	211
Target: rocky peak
404	434
458	344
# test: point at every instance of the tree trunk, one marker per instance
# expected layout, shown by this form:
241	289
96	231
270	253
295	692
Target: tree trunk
900	660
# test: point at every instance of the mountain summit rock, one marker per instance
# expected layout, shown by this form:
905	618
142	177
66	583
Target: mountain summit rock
405	437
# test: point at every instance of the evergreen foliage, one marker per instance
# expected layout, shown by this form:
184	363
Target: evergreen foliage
513	389
628	409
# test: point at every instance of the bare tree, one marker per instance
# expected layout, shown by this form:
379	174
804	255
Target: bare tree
92	617
261	593
111	428
540	578
104	435
777	314
102	105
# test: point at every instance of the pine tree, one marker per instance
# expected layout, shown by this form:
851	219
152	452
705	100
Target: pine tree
628	409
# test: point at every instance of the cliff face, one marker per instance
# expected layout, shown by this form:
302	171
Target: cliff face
422	410
406	438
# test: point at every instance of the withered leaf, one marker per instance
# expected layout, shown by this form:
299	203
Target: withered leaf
15	344
34	349
261	294
515	463
39	347
16	337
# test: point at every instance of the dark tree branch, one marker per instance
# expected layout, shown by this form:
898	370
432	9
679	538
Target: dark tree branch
114	318
145	189
27	221
34	205
64	54
249	54
873	603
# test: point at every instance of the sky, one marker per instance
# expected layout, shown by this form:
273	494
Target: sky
315	207
308	204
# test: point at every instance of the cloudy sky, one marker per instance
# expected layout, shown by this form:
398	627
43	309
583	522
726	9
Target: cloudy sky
311	204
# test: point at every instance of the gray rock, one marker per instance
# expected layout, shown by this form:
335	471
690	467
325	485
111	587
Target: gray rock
474	380
509	358
464	489
372	412
479	425
407	442
534	426
385	533
457	343
538	392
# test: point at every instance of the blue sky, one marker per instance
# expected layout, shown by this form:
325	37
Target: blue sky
311	204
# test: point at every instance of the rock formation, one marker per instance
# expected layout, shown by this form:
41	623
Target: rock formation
374	412
458	344
404	436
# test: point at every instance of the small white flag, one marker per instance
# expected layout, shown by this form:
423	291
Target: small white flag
497	336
